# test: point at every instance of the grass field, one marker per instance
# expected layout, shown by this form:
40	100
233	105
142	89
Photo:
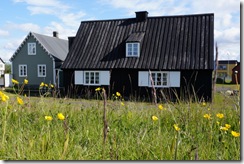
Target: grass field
46	128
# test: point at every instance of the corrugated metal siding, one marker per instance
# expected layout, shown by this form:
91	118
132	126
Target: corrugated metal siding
169	43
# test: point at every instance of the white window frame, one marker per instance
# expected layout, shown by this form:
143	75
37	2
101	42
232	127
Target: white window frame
31	48
43	71
159	81
22	70
89	80
132	50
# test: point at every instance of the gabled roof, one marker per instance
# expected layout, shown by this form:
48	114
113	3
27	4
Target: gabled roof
166	43
57	48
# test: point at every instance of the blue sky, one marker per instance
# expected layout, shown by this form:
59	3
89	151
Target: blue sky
19	17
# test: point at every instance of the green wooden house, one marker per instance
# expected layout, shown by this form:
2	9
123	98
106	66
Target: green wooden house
39	58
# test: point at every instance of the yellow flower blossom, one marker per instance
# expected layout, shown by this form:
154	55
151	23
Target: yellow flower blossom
223	128
61	116
227	126
176	127
48	118
15	81
118	94
52	86
122	104
3	96
204	104
220	115
98	89
25	81
20	101
207	116
154	118
42	84
235	134
46	85
161	107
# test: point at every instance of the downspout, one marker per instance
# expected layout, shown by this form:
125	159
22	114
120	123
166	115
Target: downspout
54	73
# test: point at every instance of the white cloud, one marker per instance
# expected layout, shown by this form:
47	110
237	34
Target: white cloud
4	33
25	27
46	3
72	19
64	32
40	10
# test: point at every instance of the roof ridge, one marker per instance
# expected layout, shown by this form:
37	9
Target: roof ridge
149	17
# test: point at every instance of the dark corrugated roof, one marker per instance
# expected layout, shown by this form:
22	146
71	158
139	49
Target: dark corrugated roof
169	43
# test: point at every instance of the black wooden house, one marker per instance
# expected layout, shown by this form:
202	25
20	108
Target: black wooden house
173	54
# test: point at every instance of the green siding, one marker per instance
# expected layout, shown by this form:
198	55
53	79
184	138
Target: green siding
32	61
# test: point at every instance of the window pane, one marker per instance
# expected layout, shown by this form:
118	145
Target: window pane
87	77
129	49
135	49
92	77
164	78
97	78
154	78
159	79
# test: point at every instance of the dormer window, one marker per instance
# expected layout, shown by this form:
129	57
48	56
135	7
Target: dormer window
133	44
132	49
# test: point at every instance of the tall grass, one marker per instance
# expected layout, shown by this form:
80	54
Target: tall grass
131	133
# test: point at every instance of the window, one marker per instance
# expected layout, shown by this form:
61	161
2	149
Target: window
41	68
92	77
22	70
159	79
31	48
222	67
132	49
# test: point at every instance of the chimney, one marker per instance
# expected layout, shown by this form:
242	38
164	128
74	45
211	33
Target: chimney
55	34
71	39
141	15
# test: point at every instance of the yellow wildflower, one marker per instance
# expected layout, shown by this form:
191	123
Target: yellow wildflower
122	104
48	118
98	89
207	116
4	98
15	81
235	134
176	127
154	118
160	107
25	81
20	101
223	128
204	103
118	94
52	86
227	126
220	115
61	116
46	85
42	84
